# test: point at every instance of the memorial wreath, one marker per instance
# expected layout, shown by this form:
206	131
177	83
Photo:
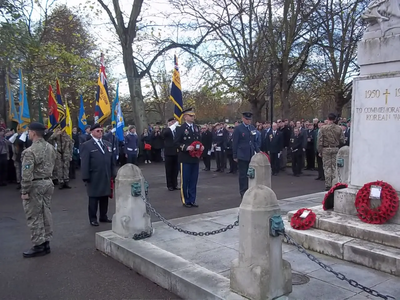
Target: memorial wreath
382	213
303	223
197	149
266	154
328	202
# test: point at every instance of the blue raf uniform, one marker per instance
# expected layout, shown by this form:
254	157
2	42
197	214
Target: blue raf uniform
243	148
185	135
131	146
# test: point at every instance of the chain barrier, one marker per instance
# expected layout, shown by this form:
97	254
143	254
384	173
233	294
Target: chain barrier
338	275
194	233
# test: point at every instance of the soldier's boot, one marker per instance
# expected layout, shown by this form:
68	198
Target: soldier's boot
66	185
46	246
35	251
18	186
55	181
60	185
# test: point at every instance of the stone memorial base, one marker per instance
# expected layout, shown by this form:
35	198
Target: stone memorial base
343	235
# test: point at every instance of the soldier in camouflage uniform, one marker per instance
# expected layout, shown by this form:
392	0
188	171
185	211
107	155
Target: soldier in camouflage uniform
64	146
36	190
330	138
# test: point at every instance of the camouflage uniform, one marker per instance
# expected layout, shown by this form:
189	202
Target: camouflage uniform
64	146
37	167
330	138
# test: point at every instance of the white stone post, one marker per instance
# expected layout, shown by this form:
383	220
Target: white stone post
342	173
130	216
262	168
259	273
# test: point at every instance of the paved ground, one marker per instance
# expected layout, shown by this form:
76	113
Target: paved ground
75	270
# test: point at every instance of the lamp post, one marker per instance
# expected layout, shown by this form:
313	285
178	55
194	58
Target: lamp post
271	93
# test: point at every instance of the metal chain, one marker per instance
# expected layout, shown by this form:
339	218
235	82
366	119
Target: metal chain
142	235
205	233
338	275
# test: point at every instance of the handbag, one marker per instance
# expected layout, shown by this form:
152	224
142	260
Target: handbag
147	146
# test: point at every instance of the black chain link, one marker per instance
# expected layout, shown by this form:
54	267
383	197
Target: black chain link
205	233
338	275
142	235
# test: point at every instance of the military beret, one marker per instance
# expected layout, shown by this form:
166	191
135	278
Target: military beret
36	126
321	121
247	115
87	127
188	111
332	116
95	126
171	119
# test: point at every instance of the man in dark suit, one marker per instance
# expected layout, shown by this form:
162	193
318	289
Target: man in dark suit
171	155
228	151
274	146
296	147
310	153
98	168
85	136
219	143
186	134
243	148
206	140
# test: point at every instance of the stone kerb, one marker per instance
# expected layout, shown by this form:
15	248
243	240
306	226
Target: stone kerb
259	272
342	172
130	215
262	170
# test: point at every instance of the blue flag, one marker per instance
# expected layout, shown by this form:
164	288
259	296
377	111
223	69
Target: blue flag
176	92
82	116
24	115
13	114
117	120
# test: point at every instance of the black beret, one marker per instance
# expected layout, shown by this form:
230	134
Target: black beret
247	115
95	126
36	126
171	119
87	127
188	111
332	116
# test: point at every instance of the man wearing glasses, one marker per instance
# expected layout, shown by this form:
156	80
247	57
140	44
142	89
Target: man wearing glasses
98	168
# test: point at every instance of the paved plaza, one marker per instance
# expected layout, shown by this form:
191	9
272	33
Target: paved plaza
76	270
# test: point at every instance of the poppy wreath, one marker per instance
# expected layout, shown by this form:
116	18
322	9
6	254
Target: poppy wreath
196	153
384	212
265	153
303	223
327	203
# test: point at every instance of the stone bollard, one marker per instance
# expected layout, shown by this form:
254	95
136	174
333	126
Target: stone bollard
259	273
130	216
342	166
262	171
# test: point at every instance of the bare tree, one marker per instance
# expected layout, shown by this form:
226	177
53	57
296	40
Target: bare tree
127	33
340	30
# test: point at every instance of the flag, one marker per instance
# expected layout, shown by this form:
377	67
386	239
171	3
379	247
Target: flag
52	110
13	114
24	115
117	117
176	92
68	121
60	107
82	116
102	110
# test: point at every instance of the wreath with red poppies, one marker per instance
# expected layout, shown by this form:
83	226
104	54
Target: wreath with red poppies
265	153
300	223
384	212
328	202
196	152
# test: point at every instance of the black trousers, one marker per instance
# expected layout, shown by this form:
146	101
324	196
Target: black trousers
320	166
132	159
310	157
219	158
157	155
243	166
171	170
275	163
207	161
3	169
232	164
296	162
94	203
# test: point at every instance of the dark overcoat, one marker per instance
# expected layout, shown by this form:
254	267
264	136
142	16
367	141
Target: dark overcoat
97	168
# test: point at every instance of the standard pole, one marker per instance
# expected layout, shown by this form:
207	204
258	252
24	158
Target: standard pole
271	93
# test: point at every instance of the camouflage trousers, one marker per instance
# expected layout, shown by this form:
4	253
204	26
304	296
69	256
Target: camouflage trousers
62	169
329	163
17	166
37	211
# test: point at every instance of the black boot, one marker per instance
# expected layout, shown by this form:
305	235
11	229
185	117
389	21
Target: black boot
66	186
35	251
46	246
